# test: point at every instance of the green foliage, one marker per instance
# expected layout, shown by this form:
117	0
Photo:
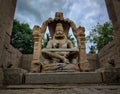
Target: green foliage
100	36
45	40
92	49
70	37
21	37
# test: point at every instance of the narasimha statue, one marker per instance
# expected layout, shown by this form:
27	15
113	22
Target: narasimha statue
60	55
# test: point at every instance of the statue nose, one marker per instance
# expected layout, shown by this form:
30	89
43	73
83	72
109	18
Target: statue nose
59	32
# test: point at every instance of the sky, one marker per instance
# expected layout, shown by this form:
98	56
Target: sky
86	13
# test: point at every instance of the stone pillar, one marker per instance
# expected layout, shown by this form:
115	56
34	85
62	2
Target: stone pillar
81	44
7	9
38	34
84	65
35	65
82	47
113	7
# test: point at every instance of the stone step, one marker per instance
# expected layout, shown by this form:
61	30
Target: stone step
63	78
60	89
65	86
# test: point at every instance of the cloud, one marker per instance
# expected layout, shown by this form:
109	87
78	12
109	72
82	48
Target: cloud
86	13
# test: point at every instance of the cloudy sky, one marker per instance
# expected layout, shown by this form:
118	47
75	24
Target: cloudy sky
85	13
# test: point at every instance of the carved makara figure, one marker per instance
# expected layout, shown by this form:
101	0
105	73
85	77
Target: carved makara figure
60	55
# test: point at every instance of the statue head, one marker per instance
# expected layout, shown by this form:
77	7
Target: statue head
59	32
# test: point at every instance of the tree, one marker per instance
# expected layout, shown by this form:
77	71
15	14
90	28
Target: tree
100	36
92	49
21	37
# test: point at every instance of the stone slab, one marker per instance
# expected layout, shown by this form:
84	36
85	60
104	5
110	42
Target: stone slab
14	76
63	78
64	86
53	89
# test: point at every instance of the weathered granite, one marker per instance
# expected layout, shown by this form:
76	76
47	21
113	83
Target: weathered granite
111	77
7	9
26	61
14	76
113	8
1	76
63	78
110	74
10	57
93	61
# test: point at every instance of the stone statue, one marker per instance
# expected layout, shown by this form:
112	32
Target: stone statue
59	55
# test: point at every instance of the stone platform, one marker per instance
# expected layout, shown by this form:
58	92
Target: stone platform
61	89
63	78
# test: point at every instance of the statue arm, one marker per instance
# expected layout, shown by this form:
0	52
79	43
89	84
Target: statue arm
49	44
69	45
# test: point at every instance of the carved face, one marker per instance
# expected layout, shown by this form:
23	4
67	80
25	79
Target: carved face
59	32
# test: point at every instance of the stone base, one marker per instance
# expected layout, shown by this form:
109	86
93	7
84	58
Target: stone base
63	78
14	76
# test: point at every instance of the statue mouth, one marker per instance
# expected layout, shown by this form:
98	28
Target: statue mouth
60	37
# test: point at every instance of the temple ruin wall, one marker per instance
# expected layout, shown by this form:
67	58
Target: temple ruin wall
9	54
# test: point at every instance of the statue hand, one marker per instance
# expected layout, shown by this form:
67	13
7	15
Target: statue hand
66	61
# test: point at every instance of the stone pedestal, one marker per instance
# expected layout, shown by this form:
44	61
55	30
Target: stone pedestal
63	78
14	76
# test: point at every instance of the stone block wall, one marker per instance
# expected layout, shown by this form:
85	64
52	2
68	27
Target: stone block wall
10	57
107	53
26	61
93	61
